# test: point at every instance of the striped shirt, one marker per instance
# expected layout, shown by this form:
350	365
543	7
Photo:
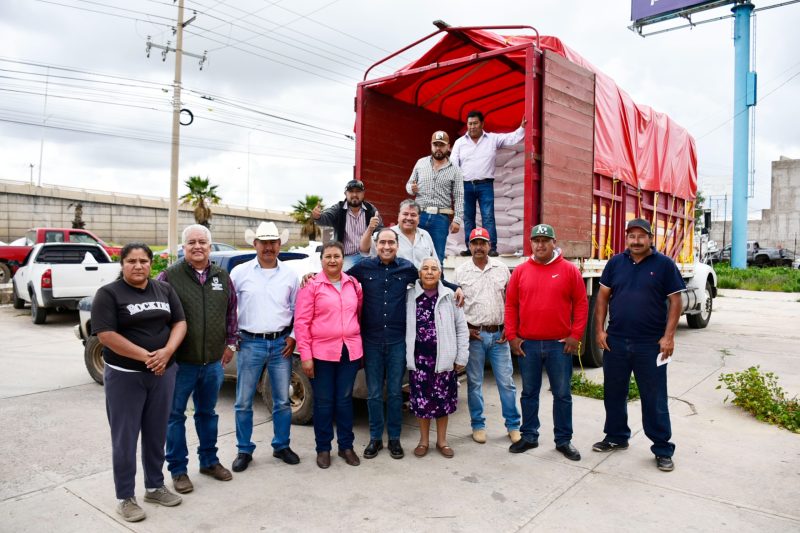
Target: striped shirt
443	188
354	228
484	291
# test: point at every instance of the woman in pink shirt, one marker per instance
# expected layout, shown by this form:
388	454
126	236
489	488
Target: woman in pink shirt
329	340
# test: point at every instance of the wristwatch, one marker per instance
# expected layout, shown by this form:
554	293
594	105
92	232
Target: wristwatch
233	347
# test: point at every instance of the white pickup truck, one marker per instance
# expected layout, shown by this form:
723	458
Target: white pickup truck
58	275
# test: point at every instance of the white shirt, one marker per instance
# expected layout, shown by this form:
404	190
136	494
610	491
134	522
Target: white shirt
266	296
484	291
415	252
476	160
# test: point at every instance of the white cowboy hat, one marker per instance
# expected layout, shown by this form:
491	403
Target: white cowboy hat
266	231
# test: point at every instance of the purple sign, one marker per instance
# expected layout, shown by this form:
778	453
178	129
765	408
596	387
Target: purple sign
642	9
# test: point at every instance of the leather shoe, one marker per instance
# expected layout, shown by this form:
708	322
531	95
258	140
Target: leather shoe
665	463
241	462
218	472
373	448
395	450
350	457
287	456
182	484
569	451
523	445
324	459
608	446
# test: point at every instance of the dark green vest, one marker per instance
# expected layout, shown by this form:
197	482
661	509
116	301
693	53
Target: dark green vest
205	307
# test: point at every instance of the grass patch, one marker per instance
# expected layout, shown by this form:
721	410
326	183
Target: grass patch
760	395
581	385
776	279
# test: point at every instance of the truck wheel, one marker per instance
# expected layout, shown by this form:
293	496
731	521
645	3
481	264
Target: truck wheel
93	357
5	273
38	314
18	302
701	319
592	352
301	396
761	261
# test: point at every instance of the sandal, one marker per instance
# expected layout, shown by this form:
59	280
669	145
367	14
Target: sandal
421	450
445	450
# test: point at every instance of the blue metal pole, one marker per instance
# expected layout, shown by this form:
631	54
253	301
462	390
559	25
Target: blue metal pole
741	133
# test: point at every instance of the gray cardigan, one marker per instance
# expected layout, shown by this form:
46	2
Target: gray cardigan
452	335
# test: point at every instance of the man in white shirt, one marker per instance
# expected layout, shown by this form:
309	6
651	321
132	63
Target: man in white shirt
484	281
414	243
475	154
266	292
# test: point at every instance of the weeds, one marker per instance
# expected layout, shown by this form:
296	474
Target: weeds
760	395
581	385
778	279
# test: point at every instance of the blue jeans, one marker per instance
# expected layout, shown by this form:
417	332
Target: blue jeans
483	194
333	401
439	227
385	361
639	357
499	356
549	355
253	356
202	382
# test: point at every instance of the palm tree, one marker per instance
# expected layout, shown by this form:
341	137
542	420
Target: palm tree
201	195
302	214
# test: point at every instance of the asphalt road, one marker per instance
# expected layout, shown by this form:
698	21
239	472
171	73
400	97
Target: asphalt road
732	472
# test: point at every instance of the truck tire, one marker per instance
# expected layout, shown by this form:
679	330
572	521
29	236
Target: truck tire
301	396
38	313
18	302
701	319
5	273
761	260
93	357
592	355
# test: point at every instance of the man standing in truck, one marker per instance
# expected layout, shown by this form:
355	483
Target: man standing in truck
643	288
475	154
208	298
439	189
546	312
353	221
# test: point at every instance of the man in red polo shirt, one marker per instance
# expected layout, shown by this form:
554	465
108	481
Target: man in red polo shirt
546	313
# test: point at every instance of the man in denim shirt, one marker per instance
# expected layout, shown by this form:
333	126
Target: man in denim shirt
384	280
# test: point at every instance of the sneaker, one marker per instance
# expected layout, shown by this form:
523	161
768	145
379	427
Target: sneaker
606	446
479	435
217	471
130	511
664	463
514	435
162	496
182	484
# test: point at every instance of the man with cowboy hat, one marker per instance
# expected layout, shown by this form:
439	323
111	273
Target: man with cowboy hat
266	291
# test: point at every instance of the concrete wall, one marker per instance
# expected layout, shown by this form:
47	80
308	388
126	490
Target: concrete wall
120	218
780	224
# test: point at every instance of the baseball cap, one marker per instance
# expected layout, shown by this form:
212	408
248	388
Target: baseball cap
354	184
543	230
639	223
479	233
440	137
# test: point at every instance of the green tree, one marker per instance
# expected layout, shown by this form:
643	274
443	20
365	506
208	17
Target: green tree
302	214
201	195
698	209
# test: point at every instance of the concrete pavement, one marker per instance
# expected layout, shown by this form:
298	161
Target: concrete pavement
732	472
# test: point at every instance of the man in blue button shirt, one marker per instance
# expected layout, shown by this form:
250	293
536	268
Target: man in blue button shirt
643	288
384	280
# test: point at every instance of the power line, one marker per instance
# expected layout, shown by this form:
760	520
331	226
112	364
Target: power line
105	13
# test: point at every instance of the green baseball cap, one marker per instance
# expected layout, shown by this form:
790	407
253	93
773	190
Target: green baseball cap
543	230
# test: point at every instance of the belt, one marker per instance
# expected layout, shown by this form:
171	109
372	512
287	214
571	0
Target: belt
488	329
476	182
438	210
265	336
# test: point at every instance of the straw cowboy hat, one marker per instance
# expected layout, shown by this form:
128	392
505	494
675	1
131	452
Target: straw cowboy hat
266	231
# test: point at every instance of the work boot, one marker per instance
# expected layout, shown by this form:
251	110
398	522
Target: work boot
182	484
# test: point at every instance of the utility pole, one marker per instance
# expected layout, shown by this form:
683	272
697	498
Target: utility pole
172	225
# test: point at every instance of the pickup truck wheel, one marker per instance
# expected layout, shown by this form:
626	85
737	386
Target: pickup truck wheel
38	314
592	353
18	302
701	319
301	396
93	357
5	273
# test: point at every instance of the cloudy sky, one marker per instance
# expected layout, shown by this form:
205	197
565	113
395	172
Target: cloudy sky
273	104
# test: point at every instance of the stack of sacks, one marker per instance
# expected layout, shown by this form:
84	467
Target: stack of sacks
509	198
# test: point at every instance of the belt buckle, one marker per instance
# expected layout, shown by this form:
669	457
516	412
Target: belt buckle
432	210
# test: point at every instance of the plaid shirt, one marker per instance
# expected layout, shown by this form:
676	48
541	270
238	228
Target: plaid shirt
443	188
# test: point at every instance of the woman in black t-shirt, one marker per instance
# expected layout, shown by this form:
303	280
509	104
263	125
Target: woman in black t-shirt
141	323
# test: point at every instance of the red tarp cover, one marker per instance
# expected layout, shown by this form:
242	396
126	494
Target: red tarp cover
633	143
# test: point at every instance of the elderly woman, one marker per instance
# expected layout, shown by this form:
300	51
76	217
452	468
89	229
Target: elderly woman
140	323
329	340
437	347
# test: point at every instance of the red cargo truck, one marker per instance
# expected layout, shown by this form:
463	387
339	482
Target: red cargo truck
592	158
